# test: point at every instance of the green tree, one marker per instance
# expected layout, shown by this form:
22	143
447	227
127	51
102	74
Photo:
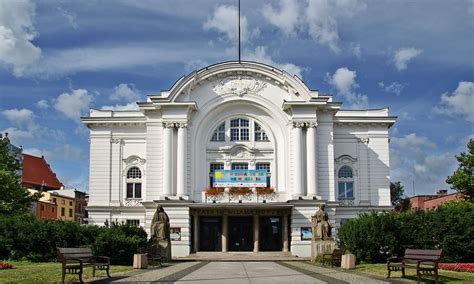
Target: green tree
397	197
14	198
462	180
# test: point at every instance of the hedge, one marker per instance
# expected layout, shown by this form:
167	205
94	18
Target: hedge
24	238
374	236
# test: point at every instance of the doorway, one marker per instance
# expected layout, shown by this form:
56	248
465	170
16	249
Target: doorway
210	234
270	234
240	234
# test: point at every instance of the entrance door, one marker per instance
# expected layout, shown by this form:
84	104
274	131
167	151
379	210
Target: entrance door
240	234
210	234
270	234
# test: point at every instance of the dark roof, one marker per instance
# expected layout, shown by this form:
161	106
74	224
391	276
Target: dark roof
37	172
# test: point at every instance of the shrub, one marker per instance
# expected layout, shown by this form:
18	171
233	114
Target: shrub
372	237
23	237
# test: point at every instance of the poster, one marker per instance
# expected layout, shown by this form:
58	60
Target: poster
175	234
240	178
306	233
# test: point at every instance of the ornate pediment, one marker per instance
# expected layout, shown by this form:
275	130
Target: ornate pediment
134	161
345	159
239	86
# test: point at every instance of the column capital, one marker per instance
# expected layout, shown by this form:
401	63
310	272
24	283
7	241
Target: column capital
306	123
175	124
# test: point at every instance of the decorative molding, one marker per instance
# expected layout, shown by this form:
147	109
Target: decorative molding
239	86
345	159
177	124
132	202
307	124
364	140
116	141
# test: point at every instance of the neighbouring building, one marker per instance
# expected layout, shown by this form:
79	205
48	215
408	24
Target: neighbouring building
80	203
246	121
38	175
427	202
65	204
45	210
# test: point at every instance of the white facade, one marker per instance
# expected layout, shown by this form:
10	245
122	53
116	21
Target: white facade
170	141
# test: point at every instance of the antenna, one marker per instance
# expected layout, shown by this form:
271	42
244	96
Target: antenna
239	31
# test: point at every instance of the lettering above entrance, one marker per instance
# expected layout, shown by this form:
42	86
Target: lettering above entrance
239	86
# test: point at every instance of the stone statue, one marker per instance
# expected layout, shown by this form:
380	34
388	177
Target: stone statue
320	225
160	242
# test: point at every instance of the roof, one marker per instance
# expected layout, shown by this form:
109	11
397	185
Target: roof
36	171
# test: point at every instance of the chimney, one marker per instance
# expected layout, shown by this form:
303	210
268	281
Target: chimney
442	192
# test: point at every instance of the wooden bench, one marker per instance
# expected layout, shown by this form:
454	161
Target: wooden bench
424	261
75	259
334	258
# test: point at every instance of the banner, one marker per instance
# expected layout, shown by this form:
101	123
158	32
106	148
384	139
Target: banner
240	178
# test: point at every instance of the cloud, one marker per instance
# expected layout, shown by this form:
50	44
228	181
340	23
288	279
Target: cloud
224	21
20	117
69	16
413	160
17	135
125	93
64	152
16	35
73	104
394	88
130	106
344	81
459	103
356	49
260	55
285	18
42	104
405	55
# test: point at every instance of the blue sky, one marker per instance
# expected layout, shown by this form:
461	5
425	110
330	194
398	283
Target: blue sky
58	58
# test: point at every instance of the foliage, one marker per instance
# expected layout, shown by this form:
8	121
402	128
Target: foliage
462	179
467	267
265	190
398	199
14	198
240	191
214	191
23	237
372	237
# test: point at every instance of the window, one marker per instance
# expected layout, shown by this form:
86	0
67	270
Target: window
134	173
42	207
345	183
240	166
54	200
70	212
133	222
52	209
239	130
213	167
219	133
260	134
264	166
70	203
63	211
134	183
63	201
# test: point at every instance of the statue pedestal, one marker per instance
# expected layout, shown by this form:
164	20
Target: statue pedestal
319	247
165	250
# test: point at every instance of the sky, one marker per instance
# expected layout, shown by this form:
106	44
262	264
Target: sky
59	58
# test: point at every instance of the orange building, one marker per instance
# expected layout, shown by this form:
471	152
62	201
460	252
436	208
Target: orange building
427	202
45	210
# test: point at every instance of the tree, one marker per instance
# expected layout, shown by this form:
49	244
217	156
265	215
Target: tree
14	198
399	200
462	179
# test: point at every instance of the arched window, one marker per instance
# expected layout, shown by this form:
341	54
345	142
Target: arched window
239	130
134	183
345	183
219	133
260	134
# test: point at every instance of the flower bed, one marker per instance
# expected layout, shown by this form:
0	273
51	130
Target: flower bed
461	267
4	265
265	190
214	191
240	191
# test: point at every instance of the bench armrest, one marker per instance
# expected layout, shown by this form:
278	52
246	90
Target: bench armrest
80	260
394	259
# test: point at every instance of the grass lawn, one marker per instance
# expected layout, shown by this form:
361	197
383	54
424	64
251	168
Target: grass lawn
47	272
445	276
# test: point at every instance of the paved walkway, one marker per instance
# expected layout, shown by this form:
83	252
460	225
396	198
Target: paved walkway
245	272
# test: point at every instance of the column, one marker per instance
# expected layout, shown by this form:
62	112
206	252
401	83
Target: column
181	157
196	232
311	161
225	230
297	159
256	226
167	158
285	233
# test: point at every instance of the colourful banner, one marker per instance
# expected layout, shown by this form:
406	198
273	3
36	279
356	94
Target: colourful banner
240	178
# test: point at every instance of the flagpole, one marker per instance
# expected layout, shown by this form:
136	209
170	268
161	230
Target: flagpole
239	31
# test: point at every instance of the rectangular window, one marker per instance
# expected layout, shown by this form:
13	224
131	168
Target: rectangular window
70	203
133	222
54	200
240	166
52	209
134	190
70	212
345	190
239	130
42	207
263	166
63	201
63	211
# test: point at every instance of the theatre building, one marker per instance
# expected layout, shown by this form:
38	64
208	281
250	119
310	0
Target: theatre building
240	156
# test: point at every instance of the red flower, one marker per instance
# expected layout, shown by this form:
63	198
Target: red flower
214	191
462	267
4	265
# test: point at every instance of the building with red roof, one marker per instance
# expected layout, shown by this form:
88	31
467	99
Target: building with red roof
37	174
427	202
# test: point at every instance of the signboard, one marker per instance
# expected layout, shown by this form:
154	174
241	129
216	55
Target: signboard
306	233
175	234
240	178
